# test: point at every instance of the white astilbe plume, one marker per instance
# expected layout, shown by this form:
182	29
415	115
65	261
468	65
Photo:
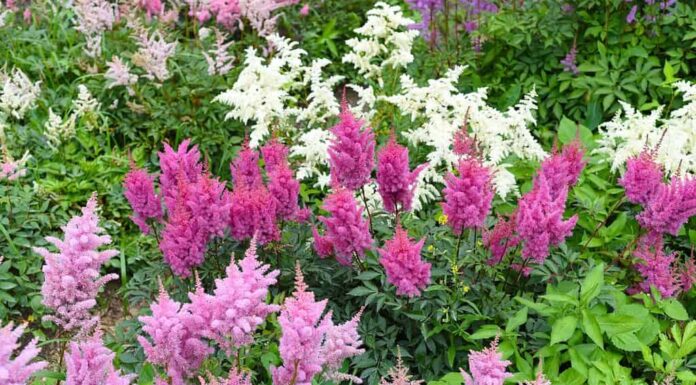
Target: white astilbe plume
10	168
152	55
219	61
385	41
93	17
322	103
443	110
630	132
365	106
18	93
56	129
3	15
312	147
85	102
118	74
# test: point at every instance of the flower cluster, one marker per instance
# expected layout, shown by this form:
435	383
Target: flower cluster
235	377
655	266
231	13
395	182
12	169
219	60
17	93
402	263
468	196
398	375
89	362
486	367
139	190
71	276
352	151
152	55
93	18
118	74
16	367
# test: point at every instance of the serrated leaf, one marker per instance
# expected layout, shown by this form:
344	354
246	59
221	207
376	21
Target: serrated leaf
517	320
592	329
592	284
563	329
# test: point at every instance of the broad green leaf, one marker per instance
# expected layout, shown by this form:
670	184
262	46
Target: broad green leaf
563	329
592	285
571	377
568	130
517	320
486	331
591	328
627	341
674	309
614	324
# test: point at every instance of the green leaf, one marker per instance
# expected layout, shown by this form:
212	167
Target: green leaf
592	284
674	309
568	130
571	377
517	320
627	341
591	328
486	331
563	329
668	71
360	291
614	324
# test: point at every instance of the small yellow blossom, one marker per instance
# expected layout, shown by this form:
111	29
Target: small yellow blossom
442	219
431	248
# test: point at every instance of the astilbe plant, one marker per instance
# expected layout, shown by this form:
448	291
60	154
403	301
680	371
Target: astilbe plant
173	164
395	181
282	185
16	366
352	151
235	377
347	232
501	239
398	375
71	276
253	212
245	169
139	190
655	266
403	264
486	367
467	196
89	362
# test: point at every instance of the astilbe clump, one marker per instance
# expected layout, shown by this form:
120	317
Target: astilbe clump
467	196
15	366
245	169
398	375
403	264
71	276
139	190
395	181
238	304
172	163
642	178
282	185
655	266
347	231
253	211
352	151
562	169
486	367
89	362
310	343
183	241
501	239
176	344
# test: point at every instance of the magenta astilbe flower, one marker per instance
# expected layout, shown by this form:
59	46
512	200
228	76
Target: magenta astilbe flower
540	223
464	144
687	275
468	196
89	362
403	264
303	333
500	239
184	240
235	377
151	7
172	163
395	181
274	154
322	244
569	62
562	170
642	179
670	207
139	190
245	169
398	375
342	342
282	185
346	229
71	276
238	305
487	367
210	203
176	344
16	367
352	151
655	266
253	211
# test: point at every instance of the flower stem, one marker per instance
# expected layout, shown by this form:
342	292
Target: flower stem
367	209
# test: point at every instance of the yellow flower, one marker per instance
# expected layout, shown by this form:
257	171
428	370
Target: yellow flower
442	219
465	289
431	248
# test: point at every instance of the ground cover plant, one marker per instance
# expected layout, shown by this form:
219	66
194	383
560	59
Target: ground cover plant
299	192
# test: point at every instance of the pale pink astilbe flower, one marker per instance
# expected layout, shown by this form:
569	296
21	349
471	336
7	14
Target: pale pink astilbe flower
184	159
342	342
253	212
259	13
235	377
238	305
642	179
152	55
89	362
139	190
539	220
655	266
395	181
539	380
219	61
487	367
304	11
398	374
346	229
71	276
670	207
352	151
303	333
118	74
151	7
501	239
403	264
226	12
245	170
176	342
93	17
468	196
11	169
15	363
562	169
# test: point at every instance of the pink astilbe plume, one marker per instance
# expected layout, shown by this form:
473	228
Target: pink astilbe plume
486	367
342	342
176	341
352	151
670	207
539	220
464	144
346	229
238	305
151	7
687	275
15	364
210	203
184	239
303	333
562	169
226	12
322	245
655	266
139	190
153	53
501	239
253	211
89	362
235	377
171	162
395	181
403	264
467	196
642	179
274	154
245	169
282	185
71	276
219	60
539	380
259	13
118	74
398	374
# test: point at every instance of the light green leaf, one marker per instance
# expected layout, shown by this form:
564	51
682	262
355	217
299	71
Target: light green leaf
591	328
563	329
674	309
592	285
517	320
